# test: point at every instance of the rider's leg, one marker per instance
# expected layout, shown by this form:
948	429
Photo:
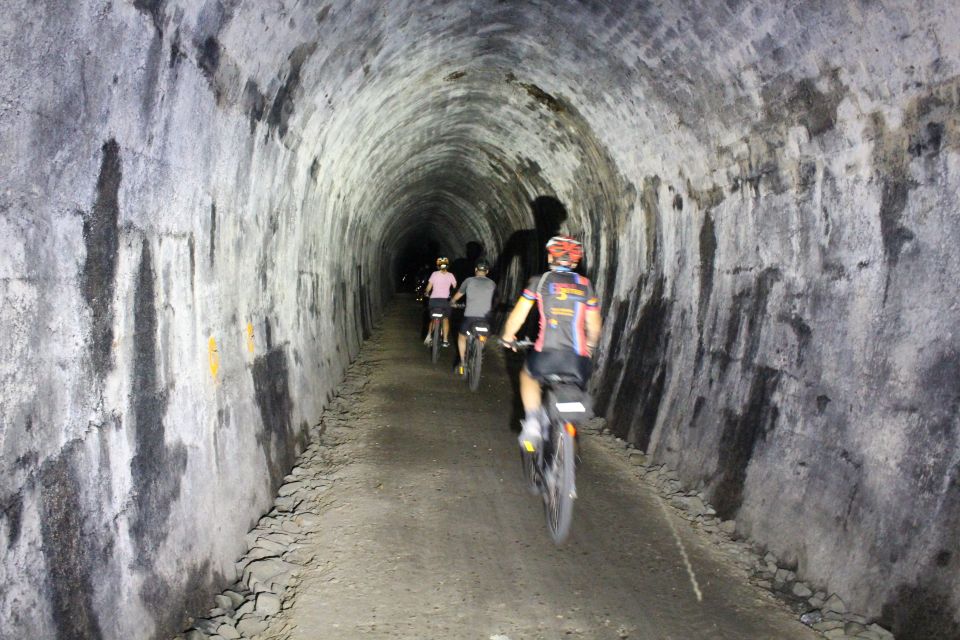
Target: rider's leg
429	332
530	396
462	345
446	327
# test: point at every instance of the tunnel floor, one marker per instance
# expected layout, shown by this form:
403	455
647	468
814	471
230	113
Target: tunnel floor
426	531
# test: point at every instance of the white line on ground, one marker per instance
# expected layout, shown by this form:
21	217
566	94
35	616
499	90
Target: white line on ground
683	552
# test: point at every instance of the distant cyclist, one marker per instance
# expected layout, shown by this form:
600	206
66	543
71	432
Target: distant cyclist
439	286
479	293
570	327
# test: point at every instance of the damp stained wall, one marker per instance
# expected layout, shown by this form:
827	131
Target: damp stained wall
204	203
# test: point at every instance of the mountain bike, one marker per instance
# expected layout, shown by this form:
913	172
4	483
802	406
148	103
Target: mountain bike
551	470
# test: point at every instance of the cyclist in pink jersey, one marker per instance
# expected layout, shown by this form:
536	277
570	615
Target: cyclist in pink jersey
570	326
439	286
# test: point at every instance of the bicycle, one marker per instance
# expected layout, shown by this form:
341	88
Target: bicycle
551	470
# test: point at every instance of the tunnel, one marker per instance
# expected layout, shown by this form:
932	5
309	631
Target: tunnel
209	205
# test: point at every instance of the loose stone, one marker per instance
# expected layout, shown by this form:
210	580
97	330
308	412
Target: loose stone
268	604
250	627
853	628
880	632
811	618
827	625
228	631
834	603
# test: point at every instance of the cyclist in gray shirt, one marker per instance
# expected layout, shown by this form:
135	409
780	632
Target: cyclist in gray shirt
479	293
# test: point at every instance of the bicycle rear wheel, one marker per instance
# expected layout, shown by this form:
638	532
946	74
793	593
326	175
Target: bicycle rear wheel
560	486
475	360
435	346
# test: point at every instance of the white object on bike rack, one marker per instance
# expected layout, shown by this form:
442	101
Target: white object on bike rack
572	407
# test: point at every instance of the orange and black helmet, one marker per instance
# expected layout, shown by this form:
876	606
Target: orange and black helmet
565	249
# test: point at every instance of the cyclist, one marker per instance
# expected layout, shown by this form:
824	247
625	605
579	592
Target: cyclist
570	328
479	293
439	285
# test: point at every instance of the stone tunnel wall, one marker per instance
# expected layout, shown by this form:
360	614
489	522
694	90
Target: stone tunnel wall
204	200
783	331
174	318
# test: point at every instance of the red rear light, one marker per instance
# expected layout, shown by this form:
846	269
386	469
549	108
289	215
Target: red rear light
572	430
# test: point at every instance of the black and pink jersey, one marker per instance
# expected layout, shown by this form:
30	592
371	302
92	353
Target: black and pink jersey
562	298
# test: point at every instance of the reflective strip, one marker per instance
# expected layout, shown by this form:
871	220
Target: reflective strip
571	406
436	315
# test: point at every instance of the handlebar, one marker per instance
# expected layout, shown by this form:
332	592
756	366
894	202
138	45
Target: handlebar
517	345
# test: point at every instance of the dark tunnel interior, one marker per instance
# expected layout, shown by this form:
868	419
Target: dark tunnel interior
209	204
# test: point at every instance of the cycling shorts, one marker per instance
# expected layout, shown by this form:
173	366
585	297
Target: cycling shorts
559	362
439	304
469	322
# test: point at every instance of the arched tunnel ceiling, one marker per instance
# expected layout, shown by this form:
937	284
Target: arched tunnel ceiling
391	99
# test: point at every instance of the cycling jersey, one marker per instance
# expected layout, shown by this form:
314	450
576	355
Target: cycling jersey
479	292
443	282
562	298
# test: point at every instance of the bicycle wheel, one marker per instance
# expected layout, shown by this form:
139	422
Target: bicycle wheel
560	487
435	346
474	360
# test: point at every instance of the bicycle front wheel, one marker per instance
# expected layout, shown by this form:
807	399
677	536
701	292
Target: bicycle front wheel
475	361
560	486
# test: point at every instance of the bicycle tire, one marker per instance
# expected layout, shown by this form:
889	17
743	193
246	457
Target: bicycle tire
559	488
475	362
435	346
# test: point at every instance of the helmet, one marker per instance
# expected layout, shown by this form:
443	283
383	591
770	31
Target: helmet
442	262
482	265
565	249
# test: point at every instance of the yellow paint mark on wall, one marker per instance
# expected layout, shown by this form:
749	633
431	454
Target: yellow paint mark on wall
250	337
214	357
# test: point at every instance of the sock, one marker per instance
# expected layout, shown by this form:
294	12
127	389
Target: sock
532	415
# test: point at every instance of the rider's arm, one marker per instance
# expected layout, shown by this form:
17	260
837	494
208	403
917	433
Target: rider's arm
594	325
516	318
459	294
429	288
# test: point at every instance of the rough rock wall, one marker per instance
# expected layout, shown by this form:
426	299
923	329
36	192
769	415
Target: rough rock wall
787	338
767	190
170	329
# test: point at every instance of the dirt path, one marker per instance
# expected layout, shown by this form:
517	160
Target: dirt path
425	530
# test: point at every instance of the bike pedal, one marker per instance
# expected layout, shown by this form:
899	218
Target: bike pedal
528	446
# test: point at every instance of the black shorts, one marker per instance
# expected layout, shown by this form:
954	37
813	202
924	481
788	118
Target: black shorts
543	363
439	304
470	321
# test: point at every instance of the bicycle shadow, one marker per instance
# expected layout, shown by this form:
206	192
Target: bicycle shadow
513	363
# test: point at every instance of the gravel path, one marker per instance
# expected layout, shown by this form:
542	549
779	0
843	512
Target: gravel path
407	519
